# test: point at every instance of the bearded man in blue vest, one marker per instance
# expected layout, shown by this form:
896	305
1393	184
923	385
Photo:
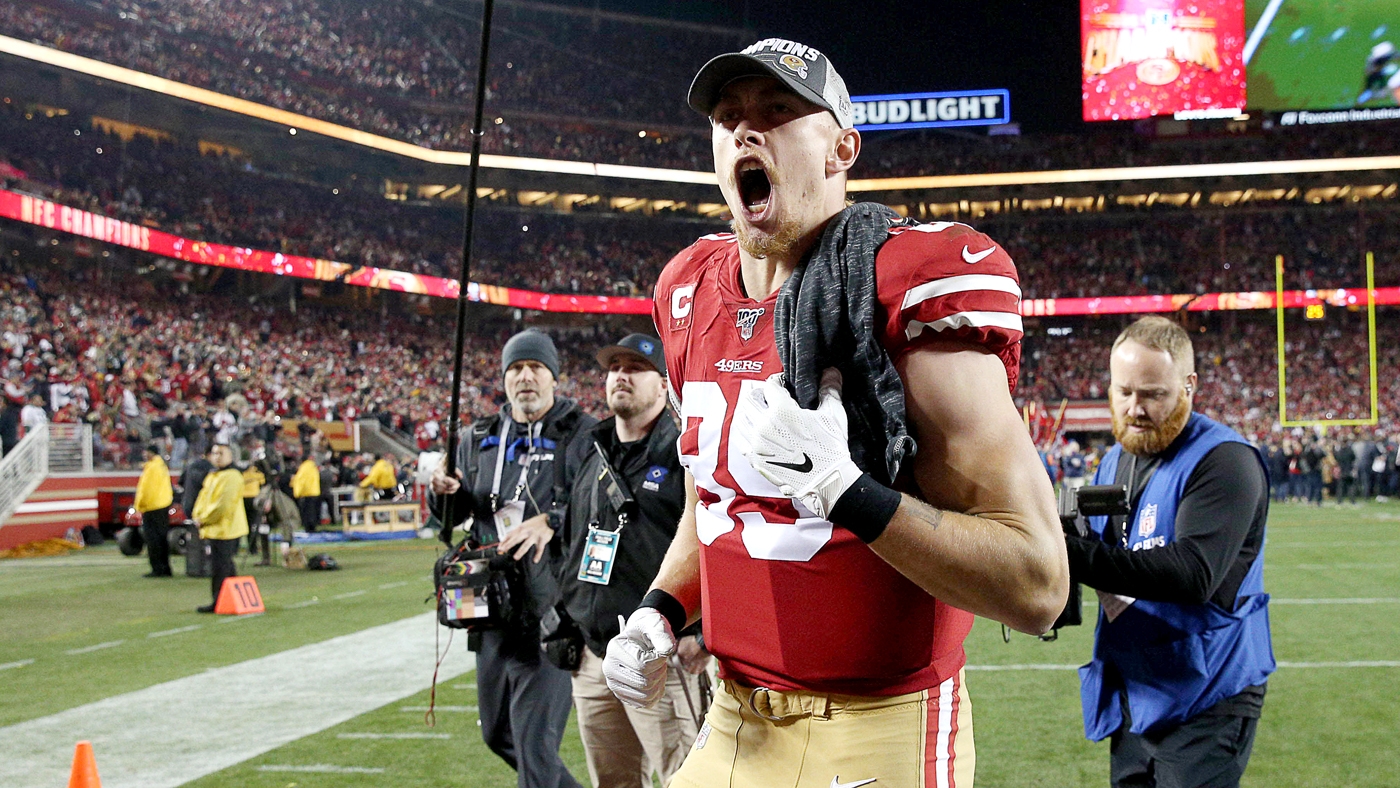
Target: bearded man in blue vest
1182	649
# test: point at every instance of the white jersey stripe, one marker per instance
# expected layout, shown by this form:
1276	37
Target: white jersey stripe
1008	320
959	284
945	726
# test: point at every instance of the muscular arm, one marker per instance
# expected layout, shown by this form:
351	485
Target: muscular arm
986	538
679	575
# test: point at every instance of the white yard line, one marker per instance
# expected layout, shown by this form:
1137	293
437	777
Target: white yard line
1322	567
158	738
178	631
393	735
1338	601
322	768
1289	665
1043	666
89	649
439	707
399	584
1328	545
350	594
231	619
1382	663
299	605
19	664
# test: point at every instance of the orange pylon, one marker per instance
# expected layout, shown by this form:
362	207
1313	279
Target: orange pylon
84	768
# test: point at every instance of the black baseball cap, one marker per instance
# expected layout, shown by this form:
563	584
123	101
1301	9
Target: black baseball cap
647	348
804	70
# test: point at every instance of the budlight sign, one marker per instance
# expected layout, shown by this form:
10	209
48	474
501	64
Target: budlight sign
932	110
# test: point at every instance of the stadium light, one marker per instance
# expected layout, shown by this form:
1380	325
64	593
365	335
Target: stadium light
138	79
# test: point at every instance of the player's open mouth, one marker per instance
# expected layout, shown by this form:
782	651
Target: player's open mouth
755	188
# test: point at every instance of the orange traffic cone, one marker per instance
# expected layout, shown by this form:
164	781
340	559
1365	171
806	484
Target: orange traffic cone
84	768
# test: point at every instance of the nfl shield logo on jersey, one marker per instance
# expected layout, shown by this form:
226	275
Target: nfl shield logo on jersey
1148	525
746	321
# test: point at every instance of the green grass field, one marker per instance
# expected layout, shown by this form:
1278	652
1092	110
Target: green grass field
1314	54
1323	725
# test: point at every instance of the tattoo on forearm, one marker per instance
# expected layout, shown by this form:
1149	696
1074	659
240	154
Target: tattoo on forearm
929	514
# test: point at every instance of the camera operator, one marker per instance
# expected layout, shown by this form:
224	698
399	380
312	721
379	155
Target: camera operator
622	516
1182	650
517	467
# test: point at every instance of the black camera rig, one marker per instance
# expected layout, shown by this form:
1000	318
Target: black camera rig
1076	504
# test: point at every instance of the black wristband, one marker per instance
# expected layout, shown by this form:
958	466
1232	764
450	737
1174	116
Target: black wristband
668	606
865	508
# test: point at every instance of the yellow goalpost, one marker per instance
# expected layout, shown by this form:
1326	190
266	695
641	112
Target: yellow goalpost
1371	345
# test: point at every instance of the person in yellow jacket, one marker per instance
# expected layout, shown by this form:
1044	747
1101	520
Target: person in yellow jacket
258	532
382	478
153	497
219	514
306	488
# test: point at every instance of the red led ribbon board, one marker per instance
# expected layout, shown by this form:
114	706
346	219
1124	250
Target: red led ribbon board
51	215
1143	58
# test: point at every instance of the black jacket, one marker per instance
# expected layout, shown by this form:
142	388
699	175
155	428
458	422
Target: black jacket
193	479
652	473
557	458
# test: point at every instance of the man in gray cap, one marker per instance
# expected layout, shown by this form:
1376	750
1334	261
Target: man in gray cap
837	590
513	469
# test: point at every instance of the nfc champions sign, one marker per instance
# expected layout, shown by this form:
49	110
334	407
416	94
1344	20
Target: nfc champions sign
932	110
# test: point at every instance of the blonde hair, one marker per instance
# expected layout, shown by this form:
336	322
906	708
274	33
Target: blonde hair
1159	333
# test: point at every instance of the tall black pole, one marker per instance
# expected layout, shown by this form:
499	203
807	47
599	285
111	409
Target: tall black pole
453	420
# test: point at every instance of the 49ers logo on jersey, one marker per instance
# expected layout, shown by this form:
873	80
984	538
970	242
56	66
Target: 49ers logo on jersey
746	320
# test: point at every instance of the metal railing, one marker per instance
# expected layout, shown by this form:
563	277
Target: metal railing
23	470
70	448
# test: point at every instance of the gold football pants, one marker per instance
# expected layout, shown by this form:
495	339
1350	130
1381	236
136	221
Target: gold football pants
760	738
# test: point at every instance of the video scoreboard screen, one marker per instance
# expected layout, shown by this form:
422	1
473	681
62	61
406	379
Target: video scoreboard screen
1339	55
1143	58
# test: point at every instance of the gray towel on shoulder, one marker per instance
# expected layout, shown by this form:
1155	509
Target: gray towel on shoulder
825	316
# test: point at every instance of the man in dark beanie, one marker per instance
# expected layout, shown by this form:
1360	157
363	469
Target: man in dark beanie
514	470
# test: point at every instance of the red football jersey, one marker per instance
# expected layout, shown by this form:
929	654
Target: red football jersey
789	601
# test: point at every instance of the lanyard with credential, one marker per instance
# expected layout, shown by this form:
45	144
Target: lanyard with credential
500	461
532	432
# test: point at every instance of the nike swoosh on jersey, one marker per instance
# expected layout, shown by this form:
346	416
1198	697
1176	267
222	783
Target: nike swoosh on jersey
799	467
836	783
971	258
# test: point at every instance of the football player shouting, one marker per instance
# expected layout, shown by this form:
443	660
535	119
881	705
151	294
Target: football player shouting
837	604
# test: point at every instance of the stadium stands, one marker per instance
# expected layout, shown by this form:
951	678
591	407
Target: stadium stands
564	84
85	336
1236	359
1124	252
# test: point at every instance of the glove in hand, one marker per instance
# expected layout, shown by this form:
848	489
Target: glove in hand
805	453
635	663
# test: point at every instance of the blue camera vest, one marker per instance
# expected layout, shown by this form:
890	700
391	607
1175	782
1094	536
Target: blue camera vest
1173	661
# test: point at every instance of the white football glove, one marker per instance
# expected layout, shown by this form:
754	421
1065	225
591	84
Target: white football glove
635	665
805	453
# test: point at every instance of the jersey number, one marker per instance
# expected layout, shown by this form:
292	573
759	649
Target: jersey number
765	540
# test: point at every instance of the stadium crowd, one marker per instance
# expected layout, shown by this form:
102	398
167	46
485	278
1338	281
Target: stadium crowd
1236	359
222	199
105	347
564	84
108	349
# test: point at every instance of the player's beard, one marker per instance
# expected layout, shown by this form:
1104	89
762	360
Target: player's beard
762	244
1156	438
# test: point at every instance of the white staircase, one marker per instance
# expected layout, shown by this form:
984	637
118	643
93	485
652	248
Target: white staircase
24	469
